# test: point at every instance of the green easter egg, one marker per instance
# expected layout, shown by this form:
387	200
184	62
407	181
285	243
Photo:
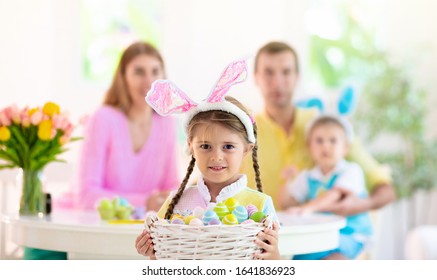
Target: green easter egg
106	204
106	214
123	212
257	216
221	210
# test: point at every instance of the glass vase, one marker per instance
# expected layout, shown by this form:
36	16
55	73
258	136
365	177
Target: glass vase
32	201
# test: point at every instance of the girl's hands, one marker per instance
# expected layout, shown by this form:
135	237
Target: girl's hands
268	241
144	245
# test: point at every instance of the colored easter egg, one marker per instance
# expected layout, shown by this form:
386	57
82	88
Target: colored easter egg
251	209
241	213
116	202
208	216
231	203
230	219
177	221
123	202
106	204
123	212
257	216
106	209
138	213
196	222
214	222
221	210
188	219
198	212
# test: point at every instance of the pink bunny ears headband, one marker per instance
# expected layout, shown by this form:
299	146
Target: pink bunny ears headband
166	98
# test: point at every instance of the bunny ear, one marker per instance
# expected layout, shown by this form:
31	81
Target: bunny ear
235	73
166	98
347	101
310	103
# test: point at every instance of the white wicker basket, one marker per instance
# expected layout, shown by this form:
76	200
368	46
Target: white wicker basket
217	242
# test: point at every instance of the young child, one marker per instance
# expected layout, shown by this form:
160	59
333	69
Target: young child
316	189
220	133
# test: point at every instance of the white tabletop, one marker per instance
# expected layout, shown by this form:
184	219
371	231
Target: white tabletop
84	236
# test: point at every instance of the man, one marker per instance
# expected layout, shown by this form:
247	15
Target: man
281	136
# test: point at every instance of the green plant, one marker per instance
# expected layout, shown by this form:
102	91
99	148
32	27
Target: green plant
390	104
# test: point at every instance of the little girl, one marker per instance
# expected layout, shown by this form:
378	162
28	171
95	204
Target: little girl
220	133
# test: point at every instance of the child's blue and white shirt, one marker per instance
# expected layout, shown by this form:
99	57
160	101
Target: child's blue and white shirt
347	175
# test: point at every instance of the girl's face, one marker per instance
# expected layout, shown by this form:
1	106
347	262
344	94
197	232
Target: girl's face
219	153
327	145
140	73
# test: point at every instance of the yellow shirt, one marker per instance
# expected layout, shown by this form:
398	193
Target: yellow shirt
277	150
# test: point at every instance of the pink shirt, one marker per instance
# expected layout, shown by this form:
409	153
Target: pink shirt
109	166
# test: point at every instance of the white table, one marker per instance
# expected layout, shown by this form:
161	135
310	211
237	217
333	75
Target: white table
84	236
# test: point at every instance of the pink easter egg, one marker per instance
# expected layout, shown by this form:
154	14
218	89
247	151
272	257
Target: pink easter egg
198	212
251	209
196	222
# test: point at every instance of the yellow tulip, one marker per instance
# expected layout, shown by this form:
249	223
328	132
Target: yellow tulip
5	134
45	130
32	111
51	108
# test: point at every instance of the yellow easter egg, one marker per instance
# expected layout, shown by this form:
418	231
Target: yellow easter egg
230	219
231	203
188	219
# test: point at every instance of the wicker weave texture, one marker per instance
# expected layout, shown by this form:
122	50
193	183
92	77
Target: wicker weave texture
218	242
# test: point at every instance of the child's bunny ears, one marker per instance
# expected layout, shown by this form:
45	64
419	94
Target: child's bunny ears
346	104
166	98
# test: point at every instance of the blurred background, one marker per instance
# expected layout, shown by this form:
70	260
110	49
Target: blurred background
66	52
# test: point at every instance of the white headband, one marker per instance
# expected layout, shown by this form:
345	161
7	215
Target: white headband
224	106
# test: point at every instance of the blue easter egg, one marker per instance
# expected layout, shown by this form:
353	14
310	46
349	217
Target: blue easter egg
208	216
241	213
123	202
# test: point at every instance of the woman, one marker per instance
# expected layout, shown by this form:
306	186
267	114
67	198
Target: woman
129	150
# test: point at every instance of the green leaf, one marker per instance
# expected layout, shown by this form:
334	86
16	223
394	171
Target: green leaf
17	134
4	166
11	156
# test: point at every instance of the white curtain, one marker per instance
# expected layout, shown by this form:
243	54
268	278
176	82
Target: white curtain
393	223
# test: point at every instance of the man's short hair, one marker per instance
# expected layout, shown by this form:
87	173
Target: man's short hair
275	48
